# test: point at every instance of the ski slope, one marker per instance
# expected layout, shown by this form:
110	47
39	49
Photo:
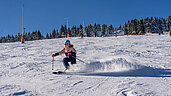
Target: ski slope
115	66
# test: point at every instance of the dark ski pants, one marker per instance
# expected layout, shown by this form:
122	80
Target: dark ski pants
69	59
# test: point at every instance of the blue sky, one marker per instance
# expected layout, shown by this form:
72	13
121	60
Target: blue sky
46	15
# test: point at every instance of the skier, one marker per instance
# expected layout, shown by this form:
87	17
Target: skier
70	53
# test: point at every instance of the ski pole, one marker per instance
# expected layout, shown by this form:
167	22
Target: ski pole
79	59
52	62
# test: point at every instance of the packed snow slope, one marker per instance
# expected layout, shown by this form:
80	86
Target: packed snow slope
114	66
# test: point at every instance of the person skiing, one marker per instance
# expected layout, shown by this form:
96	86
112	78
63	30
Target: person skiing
70	53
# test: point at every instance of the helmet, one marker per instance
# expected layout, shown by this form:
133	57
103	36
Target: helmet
67	42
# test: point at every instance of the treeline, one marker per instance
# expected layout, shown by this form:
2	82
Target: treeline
35	35
133	27
150	25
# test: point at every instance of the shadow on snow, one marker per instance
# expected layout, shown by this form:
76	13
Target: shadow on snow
143	71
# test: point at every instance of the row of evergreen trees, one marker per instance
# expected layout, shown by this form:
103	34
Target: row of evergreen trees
35	35
133	27
152	25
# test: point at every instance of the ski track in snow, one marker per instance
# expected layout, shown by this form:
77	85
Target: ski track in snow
115	66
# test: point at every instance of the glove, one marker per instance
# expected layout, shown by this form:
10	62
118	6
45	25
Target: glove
53	55
56	54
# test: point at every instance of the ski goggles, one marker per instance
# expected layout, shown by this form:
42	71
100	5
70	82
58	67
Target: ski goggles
67	42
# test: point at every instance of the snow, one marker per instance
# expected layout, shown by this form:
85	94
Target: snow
115	66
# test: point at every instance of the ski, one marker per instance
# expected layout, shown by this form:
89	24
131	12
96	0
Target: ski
59	72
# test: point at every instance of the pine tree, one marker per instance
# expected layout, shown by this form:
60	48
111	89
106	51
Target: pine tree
169	23
77	32
53	33
141	28
1	40
163	24
111	29
98	30
38	35
125	29
69	32
81	31
12	39
95	30
65	31
147	25
29	36
47	36
90	31
57	33
129	27
73	31
120	27
50	36
19	37
160	26
8	38
104	30
16	38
